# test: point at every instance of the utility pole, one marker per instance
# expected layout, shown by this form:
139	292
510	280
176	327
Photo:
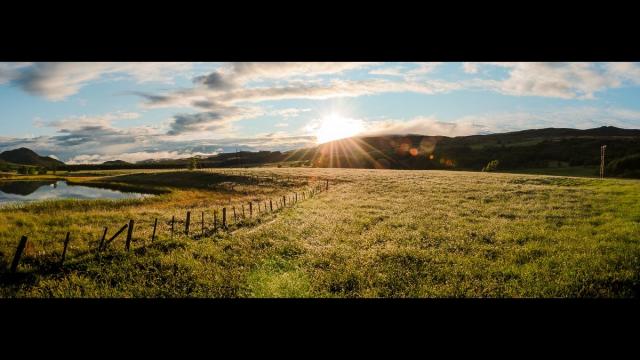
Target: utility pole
602	149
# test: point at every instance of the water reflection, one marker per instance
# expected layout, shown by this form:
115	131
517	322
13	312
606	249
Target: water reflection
18	191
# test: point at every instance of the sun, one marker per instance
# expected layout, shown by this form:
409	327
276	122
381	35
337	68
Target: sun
335	127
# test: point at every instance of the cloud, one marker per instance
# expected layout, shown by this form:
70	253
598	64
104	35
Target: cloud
389	71
134	157
59	80
214	80
9	71
470	67
422	126
403	71
424	68
300	90
289	112
216	120
252	71
559	80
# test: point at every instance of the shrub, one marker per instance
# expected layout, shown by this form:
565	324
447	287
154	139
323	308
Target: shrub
491	166
628	166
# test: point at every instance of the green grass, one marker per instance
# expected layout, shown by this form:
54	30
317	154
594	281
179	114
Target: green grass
376	233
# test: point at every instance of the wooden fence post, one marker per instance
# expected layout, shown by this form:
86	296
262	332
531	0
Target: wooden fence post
250	209
271	205
327	185
64	249
129	235
224	218
155	225
284	200
173	220
202	223
243	211
116	235
215	220
187	223
104	236
235	218
18	254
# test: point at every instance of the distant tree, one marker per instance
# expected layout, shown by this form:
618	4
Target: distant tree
31	170
491	166
193	163
23	170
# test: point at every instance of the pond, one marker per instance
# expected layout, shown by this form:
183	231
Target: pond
24	191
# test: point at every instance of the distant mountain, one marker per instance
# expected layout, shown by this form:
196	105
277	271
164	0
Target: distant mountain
24	156
536	148
116	163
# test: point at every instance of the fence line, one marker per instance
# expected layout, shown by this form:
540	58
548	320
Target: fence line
282	203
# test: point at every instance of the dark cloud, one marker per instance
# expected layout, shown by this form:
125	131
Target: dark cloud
214	81
154	99
184	123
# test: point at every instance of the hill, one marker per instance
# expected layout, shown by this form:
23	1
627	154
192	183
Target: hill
116	163
24	156
540	148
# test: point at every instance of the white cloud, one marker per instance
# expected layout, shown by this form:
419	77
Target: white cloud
421	126
57	81
252	71
470	67
133	157
558	80
389	71
289	112
424	68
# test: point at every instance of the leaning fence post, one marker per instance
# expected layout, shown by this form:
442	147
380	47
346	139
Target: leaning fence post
64	250
187	222
224	218
155	225
19	250
129	234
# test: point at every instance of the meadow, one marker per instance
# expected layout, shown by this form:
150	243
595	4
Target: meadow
374	233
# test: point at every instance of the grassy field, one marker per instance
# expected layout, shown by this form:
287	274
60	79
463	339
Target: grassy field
375	233
580	171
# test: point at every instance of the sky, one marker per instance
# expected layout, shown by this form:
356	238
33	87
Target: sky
96	112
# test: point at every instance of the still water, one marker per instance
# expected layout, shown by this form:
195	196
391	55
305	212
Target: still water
23	191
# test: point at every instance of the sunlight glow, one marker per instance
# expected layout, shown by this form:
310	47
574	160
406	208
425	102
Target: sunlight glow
335	127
